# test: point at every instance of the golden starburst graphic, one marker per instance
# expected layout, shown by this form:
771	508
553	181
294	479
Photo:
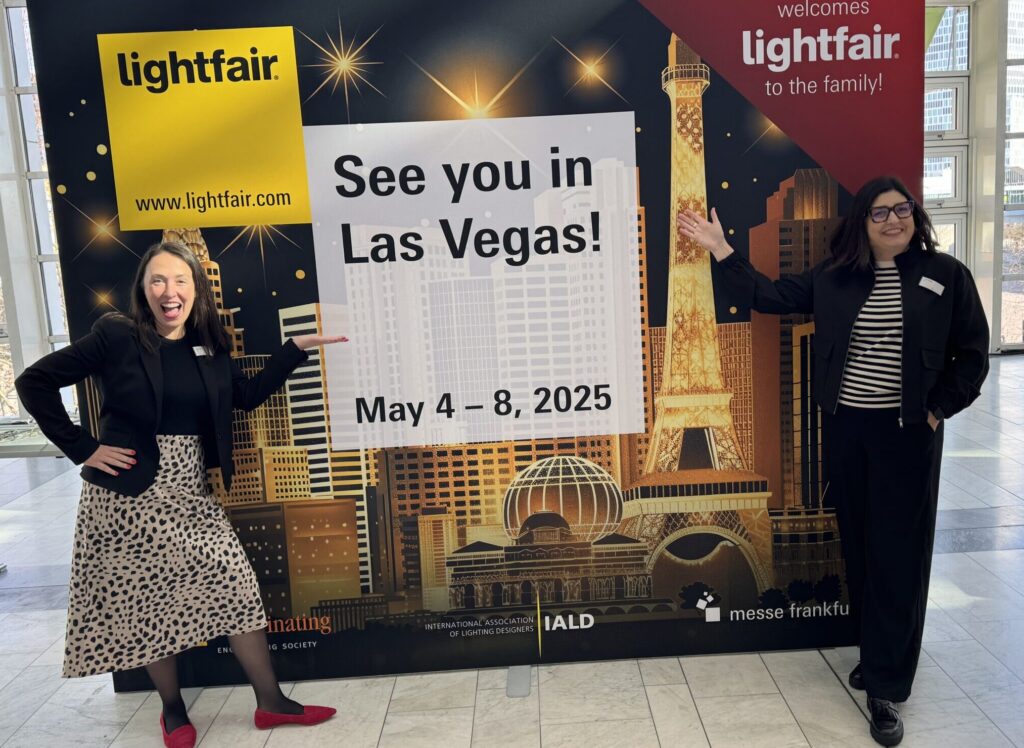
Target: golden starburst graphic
591	69
102	299
477	108
262	235
343	64
771	131
102	230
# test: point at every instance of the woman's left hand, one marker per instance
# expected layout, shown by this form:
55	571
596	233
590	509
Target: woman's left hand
305	342
933	421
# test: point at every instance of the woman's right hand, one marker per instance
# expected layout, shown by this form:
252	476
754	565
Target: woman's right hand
708	234
107	459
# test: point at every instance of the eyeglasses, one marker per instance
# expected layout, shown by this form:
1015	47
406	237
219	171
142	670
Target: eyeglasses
902	210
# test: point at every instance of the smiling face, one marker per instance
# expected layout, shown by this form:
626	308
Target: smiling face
892	236
170	291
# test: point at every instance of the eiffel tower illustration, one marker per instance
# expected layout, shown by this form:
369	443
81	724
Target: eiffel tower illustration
693	427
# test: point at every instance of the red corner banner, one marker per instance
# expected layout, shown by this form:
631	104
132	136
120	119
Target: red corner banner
843	80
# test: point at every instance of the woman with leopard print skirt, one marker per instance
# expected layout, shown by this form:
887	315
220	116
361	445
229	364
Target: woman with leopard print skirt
157	568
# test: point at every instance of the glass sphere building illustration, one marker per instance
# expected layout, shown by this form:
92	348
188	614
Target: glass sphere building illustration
582	493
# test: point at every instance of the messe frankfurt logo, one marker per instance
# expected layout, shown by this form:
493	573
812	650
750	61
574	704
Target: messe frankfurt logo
709	604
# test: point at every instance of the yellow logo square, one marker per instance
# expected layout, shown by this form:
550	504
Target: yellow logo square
205	127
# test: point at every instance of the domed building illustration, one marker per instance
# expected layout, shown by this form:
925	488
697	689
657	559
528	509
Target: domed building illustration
561	515
582	493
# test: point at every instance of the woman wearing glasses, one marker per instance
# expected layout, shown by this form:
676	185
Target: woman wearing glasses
901	343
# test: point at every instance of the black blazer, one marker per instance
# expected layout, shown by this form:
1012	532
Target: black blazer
130	380
945	333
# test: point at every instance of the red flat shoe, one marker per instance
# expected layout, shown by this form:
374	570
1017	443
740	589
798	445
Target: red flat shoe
312	715
183	737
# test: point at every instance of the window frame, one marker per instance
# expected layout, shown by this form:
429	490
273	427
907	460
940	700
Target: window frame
1009	135
31	330
960	83
955	142
959	219
960	154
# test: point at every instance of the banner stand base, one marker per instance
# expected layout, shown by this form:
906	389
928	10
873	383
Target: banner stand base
518	684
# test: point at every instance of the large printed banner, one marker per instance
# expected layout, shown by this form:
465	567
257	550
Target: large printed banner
553	435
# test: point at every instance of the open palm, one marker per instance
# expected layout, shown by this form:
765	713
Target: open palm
708	234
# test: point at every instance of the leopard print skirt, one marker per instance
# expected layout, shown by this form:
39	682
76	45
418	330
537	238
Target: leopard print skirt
156	574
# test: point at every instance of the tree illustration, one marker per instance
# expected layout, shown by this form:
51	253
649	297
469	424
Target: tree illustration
692	593
773	597
800	590
828	589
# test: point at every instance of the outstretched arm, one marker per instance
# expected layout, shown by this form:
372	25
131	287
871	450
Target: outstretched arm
751	288
248	393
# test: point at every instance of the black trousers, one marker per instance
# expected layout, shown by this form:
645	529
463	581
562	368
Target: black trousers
883	480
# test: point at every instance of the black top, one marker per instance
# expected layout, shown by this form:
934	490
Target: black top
185	409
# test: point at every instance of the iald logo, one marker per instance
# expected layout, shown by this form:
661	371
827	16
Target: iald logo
157	75
568	623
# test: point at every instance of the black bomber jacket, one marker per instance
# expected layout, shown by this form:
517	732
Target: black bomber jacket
945	333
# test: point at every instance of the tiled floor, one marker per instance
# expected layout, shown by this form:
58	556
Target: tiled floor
969	689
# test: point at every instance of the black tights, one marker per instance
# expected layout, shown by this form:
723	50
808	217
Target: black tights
251	650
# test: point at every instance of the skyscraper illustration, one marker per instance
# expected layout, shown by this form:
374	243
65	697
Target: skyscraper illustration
800	218
307	397
330	473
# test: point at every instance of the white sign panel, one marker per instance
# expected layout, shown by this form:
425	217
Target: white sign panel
487	275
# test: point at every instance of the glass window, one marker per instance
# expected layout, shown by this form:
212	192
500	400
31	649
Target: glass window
53	291
939	177
949	233
1013	242
43	212
1014	181
1012	318
945	233
945	107
28	179
32	125
8	396
1015	30
1011	315
1015	98
949	49
940	110
24	65
1012	327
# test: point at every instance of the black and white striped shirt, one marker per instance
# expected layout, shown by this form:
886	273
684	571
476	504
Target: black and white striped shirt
871	378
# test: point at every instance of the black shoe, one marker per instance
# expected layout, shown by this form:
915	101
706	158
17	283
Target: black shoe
856	678
886	724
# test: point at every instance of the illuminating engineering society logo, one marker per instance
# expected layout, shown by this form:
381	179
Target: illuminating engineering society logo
182	155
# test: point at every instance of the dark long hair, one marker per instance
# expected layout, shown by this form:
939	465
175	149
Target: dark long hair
850	248
203	323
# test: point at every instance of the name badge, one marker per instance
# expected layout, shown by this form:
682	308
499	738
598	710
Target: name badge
202	350
932	285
